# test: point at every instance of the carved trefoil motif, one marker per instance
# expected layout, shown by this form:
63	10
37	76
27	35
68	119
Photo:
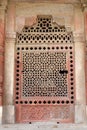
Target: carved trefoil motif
44	73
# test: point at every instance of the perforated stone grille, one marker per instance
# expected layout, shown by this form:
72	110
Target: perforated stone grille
45	31
44	24
41	74
45	72
44	68
48	38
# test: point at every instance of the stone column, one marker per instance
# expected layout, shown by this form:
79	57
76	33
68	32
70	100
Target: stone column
2	36
85	16
8	105
80	105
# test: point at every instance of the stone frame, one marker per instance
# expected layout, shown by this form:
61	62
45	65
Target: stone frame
80	105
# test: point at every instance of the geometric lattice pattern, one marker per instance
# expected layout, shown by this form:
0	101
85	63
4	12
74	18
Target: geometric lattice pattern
36	113
44	73
44	32
41	74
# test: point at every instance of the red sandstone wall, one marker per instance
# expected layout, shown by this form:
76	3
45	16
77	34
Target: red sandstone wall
1	57
86	52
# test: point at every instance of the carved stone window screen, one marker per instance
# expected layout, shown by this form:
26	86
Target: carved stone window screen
44	71
44	31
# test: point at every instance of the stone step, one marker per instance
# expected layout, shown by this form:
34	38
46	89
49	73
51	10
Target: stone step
43	126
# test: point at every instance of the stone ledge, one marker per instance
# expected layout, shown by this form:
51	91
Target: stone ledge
44	126
58	1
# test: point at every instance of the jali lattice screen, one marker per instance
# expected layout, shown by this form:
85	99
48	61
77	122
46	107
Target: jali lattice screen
44	73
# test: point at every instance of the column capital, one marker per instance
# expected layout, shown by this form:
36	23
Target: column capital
11	35
78	37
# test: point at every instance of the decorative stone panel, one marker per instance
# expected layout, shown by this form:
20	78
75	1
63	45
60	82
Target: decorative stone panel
44	72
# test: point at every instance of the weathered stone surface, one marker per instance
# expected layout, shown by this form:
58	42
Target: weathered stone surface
24	13
58	1
1	32
69	15
1	57
8	114
44	126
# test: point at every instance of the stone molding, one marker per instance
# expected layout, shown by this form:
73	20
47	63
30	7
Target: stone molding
11	35
79	37
58	1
